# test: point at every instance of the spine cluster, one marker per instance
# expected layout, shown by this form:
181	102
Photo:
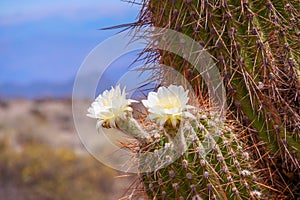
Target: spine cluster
255	44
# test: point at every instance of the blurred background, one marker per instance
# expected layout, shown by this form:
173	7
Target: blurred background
42	45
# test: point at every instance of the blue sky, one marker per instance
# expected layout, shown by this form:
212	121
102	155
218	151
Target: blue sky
46	40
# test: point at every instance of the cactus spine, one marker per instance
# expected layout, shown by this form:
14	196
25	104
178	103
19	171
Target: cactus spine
224	172
213	164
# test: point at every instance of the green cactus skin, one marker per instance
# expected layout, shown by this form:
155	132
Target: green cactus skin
225	172
256	44
212	165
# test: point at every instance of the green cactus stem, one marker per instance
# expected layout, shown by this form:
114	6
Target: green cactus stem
215	165
255	44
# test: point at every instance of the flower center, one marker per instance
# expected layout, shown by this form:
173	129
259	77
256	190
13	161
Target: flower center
170	102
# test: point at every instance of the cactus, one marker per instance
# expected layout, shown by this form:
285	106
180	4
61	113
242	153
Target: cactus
224	172
256	47
184	152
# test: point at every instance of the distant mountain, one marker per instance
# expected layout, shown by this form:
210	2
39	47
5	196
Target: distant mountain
40	89
36	90
44	89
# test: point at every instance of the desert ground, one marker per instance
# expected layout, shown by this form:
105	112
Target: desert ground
42	156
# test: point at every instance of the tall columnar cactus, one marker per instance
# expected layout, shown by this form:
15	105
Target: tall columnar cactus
183	153
256	45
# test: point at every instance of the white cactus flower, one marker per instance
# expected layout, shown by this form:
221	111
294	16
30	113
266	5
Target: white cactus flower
109	106
168	104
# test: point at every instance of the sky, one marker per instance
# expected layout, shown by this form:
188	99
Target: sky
46	40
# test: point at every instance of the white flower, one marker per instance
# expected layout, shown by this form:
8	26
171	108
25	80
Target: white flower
109	106
168	104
